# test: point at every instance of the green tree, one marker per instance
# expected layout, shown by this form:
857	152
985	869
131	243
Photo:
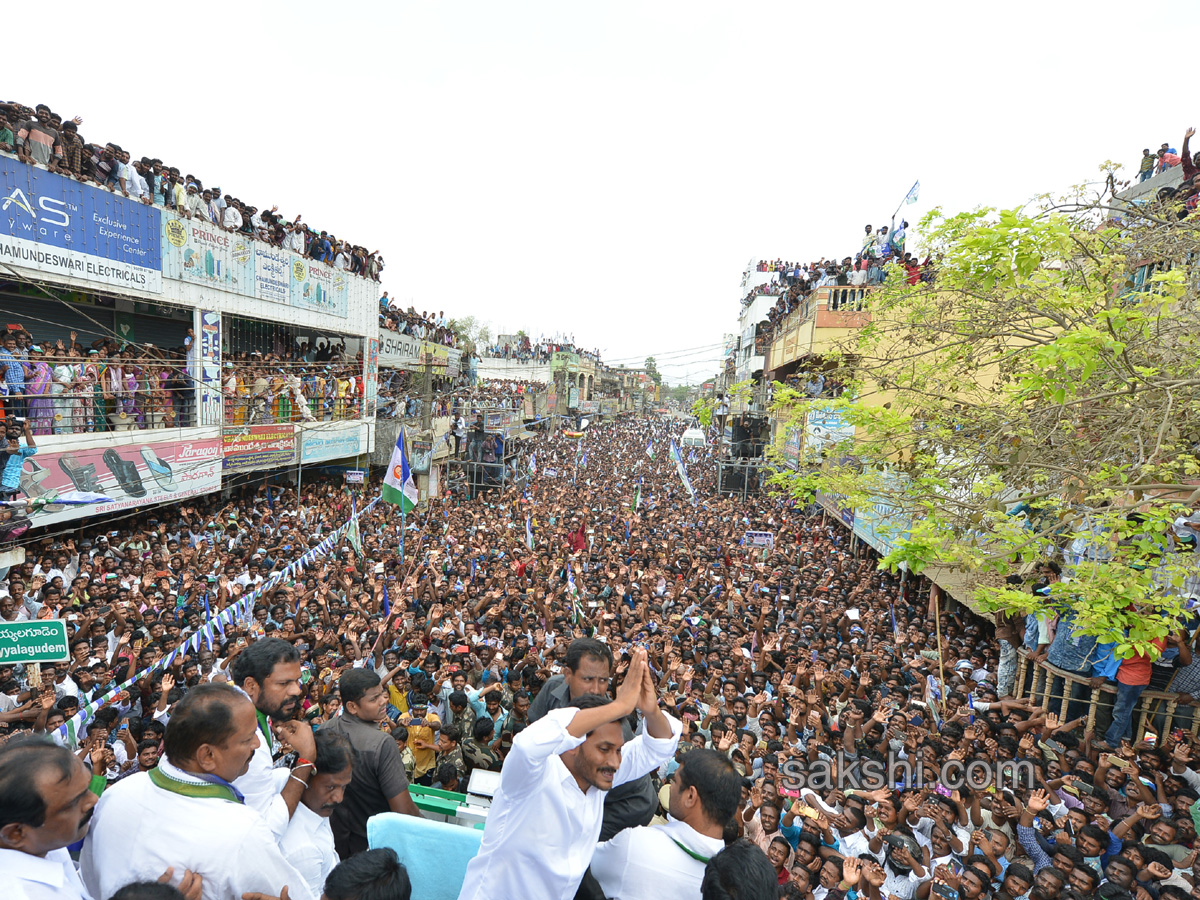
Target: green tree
1038	400
652	370
471	334
680	393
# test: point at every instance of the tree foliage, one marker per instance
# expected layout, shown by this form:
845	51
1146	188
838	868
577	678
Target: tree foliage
471	334
1037	401
652	370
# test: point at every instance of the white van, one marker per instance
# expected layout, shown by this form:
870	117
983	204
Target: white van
693	437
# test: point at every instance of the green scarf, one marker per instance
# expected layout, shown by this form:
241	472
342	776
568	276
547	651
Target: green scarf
692	853
188	789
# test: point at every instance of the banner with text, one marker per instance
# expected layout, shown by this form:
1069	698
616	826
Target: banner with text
321	442
210	367
155	470
258	446
60	226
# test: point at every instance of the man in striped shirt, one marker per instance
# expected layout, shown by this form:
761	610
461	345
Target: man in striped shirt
37	141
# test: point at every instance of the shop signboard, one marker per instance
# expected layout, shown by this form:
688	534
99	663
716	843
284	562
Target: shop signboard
157	469
258	447
33	641
53	224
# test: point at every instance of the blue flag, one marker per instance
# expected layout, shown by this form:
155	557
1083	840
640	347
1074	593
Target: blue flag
387	607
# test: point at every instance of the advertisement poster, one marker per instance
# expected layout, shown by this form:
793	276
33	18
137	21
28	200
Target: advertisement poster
57	225
371	373
258	446
210	367
321	442
271	274
125	476
824	429
200	252
320	287
791	448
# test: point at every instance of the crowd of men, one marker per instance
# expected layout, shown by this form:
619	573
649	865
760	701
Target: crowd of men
67	387
40	136
882	251
421	325
521	348
1167	157
663	687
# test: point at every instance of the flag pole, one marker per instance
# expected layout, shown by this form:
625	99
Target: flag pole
403	518
902	202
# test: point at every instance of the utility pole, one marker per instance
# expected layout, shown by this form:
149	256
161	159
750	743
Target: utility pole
427	413
427	397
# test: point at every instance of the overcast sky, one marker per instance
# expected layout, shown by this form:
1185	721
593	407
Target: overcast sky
606	169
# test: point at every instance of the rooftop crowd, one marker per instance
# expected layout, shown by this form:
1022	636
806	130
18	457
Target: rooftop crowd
540	351
1167	157
423	326
40	136
727	666
882	251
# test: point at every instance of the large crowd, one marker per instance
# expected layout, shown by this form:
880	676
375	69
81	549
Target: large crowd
40	136
69	387
522	349
737	648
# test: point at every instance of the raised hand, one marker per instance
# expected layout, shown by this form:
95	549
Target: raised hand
1038	801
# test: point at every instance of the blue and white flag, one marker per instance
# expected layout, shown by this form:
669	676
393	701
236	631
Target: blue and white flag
915	191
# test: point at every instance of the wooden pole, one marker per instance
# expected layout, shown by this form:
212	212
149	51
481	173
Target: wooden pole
934	596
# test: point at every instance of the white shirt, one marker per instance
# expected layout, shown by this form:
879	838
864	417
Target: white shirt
226	843
308	845
231	218
52	877
261	786
542	828
646	862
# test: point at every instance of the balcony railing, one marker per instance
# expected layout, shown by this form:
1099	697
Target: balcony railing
92	403
1070	695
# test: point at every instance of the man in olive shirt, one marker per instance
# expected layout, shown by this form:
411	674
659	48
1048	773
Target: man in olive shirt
588	670
379	783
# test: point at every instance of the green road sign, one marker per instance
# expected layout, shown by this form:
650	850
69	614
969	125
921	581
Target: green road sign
42	640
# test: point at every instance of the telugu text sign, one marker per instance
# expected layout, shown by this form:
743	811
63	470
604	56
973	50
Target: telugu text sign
57	225
319	443
271	274
258	446
34	641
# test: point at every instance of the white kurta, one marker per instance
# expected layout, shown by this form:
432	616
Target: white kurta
646	862
308	845
542	829
52	877
140	829
261	786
